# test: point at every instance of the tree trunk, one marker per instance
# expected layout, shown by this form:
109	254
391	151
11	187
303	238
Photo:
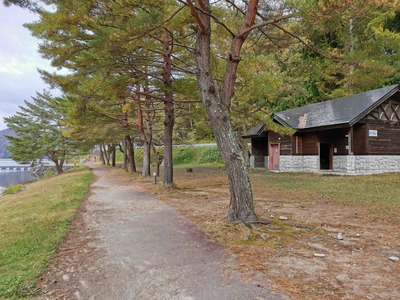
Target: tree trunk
159	159
59	165
169	118
146	159
107	151
168	179
144	128
148	134
131	154
101	154
125	156
106	159
113	155
217	105
241	205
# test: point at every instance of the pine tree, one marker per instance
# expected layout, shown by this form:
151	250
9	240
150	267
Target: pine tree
39	128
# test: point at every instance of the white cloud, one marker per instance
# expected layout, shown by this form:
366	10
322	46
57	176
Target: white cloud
17	66
19	61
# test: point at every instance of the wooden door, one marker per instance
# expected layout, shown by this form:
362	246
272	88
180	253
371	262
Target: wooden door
274	157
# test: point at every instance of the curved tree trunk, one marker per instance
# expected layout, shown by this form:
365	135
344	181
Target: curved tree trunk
217	104
241	205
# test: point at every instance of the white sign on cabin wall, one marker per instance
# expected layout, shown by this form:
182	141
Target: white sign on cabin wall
372	132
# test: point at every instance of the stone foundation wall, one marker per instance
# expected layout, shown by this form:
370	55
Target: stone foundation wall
374	164
253	161
366	164
299	163
344	164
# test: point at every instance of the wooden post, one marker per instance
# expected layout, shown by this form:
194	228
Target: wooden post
350	140
155	177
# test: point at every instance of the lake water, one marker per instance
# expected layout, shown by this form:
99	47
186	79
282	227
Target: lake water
9	177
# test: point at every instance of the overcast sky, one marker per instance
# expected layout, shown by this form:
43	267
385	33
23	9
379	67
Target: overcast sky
19	61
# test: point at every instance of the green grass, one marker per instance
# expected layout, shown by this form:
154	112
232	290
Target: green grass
12	189
194	156
32	224
379	193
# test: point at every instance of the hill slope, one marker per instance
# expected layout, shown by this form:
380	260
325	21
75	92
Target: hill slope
4	153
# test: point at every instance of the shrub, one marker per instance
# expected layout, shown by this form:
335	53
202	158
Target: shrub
12	189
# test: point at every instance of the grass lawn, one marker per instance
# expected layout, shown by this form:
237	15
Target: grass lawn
377	193
32	224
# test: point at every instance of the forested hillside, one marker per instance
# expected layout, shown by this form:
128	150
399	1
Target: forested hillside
4	153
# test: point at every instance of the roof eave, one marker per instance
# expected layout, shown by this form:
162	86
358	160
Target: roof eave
327	127
258	134
317	128
251	136
375	105
281	121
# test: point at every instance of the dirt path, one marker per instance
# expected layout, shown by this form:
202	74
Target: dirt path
126	245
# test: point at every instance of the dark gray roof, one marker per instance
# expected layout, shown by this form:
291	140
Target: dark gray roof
255	131
344	111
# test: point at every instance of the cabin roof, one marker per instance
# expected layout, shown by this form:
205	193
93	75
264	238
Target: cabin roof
344	111
256	131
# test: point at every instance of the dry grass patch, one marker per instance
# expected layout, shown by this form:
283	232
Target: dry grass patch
365	208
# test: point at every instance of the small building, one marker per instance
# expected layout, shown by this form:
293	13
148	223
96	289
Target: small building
358	134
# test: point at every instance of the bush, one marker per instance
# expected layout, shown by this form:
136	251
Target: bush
12	189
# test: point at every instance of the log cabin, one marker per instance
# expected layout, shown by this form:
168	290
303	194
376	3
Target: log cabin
357	134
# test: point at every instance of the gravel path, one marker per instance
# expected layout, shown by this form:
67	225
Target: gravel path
127	245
